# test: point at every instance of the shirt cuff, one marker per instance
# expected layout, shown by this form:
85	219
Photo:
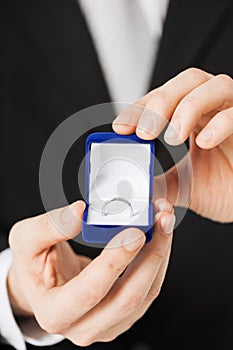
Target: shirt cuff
27	329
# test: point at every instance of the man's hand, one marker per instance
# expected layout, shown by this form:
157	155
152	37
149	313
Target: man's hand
86	301
199	106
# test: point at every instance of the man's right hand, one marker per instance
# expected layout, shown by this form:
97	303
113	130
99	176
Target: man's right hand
86	301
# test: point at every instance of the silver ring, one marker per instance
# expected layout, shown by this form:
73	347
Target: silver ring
120	199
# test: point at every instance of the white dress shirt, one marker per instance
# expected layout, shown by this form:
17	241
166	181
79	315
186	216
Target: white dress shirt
126	35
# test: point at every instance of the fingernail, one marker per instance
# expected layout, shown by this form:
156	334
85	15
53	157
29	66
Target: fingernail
67	215
70	212
164	206
168	223
173	131
206	135
124	119
147	123
133	240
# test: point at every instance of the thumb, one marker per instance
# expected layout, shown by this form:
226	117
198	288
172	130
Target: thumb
35	234
175	184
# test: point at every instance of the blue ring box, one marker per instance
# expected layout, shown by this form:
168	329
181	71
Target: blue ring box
110	157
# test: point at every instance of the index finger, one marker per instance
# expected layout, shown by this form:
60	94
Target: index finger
157	107
86	290
130	293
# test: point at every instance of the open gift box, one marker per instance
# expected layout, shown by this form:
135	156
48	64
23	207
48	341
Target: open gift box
118	186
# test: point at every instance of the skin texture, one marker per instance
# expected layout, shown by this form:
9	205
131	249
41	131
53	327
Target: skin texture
199	106
96	299
86	301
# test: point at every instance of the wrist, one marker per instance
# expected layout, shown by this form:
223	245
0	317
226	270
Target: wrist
16	297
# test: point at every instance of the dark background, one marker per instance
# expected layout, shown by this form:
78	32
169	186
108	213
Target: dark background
48	71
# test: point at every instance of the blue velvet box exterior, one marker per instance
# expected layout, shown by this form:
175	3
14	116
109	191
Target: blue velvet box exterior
104	233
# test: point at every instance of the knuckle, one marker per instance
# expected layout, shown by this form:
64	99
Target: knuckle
51	326
15	236
153	293
159	96
158	255
224	79
81	335
108	339
51	223
132	302
47	223
83	339
115	265
130	323
113	336
194	72
89	299
189	101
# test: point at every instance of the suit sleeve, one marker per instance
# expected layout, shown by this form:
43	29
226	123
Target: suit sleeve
3	240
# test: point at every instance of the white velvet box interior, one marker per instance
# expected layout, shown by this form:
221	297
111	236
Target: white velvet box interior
119	170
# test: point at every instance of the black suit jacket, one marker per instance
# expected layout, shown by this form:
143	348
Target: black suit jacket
49	70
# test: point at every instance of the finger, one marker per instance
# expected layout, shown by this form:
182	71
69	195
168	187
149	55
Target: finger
217	130
129	293
119	328
84	261
87	289
158	281
152	255
127	121
123	326
45	230
159	105
213	94
178	183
